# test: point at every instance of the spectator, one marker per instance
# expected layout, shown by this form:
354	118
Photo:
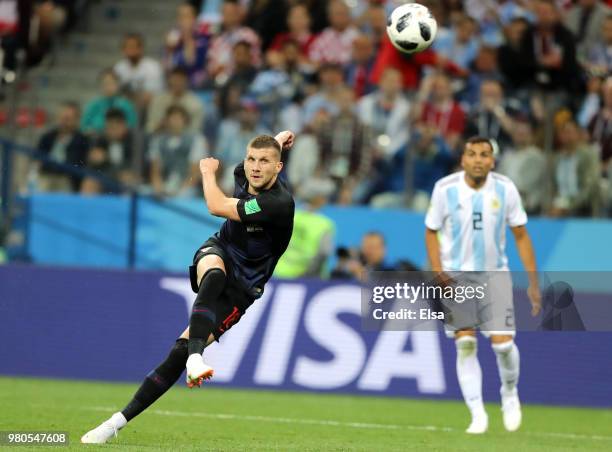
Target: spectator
45	22
331	81
585	20
485	14
508	10
407	179
410	66
576	174
234	136
483	68
334	44
386	113
300	72
600	127
318	10
298	21
65	145
525	164
140	76
174	154
548	52
118	142
267	18
12	37
347	265
375	25
373	253
98	160
509	53
371	257
304	164
461	44
346	147
96	109
186	46
272	89
177	94
237	85
491	119
437	109
359	70
598	60
220	63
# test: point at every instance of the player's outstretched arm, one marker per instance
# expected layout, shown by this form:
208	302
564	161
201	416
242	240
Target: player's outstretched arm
218	204
527	255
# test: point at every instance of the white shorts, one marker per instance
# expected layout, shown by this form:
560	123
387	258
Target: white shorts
491	315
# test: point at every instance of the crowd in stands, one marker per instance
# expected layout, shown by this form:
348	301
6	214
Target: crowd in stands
31	25
377	126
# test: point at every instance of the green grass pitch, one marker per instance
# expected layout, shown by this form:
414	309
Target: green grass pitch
213	418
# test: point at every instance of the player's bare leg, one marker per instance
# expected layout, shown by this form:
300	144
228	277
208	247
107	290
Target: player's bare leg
211	282
508	364
469	375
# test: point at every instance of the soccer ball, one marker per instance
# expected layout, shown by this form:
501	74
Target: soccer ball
411	28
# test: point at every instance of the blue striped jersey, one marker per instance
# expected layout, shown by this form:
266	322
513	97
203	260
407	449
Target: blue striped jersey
472	223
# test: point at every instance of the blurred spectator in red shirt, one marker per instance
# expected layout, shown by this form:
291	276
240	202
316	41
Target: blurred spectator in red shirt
298	21
438	110
334	44
410	66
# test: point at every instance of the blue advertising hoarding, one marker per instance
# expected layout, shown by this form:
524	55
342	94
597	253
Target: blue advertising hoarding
301	335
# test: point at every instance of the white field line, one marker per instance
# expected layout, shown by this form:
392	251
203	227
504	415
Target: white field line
359	425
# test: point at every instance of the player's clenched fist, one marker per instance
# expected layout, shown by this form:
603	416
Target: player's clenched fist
209	165
285	139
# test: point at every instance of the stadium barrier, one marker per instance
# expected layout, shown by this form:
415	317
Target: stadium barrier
301	335
97	231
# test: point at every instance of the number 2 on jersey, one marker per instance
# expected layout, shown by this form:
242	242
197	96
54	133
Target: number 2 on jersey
477	221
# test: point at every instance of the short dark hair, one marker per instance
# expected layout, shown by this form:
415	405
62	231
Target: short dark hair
373	233
478	140
72	105
135	36
172	109
243	43
264	142
110	72
115	114
178	70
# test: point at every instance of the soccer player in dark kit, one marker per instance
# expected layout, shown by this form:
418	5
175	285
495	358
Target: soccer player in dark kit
229	270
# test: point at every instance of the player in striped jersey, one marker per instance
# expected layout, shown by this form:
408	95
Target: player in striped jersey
465	232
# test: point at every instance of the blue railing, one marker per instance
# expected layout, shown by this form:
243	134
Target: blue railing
135	194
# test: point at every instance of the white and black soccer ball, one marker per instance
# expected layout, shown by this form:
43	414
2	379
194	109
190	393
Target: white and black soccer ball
411	28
